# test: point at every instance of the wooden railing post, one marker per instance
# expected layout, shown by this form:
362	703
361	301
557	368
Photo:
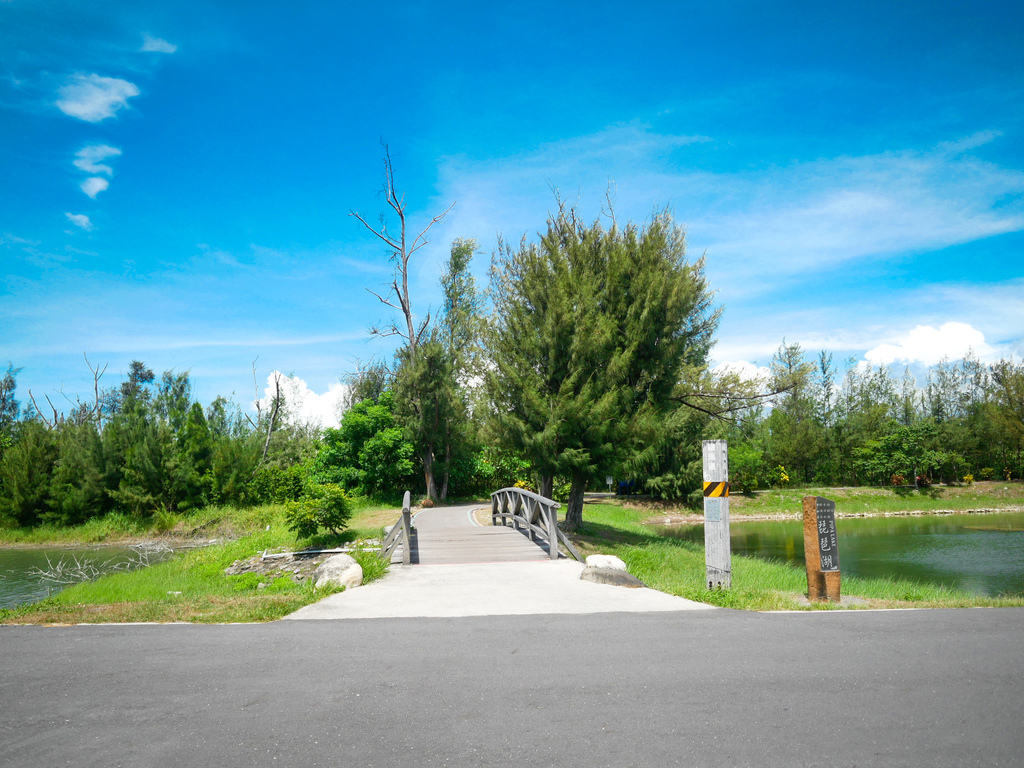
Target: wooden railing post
406	530
537	513
552	515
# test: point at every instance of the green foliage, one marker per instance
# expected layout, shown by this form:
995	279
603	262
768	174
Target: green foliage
322	506
25	472
275	485
77	491
592	330
367	453
496	467
746	466
9	407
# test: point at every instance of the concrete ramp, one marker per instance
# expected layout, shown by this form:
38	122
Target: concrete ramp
461	568
489	589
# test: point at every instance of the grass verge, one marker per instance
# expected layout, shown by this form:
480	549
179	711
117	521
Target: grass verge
677	567
786	502
192	586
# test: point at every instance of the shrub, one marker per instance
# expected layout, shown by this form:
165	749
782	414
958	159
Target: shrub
778	477
969	479
274	485
987	473
898	479
323	506
743	482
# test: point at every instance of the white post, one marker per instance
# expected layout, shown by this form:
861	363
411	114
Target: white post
717	550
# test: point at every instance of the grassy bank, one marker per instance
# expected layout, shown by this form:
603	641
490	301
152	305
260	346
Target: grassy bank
677	567
776	502
192	585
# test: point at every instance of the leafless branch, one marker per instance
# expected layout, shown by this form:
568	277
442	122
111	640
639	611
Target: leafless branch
730	403
35	405
96	375
401	251
273	417
256	398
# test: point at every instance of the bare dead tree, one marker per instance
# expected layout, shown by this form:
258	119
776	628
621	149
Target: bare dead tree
272	418
56	415
272	421
96	375
256	399
402	250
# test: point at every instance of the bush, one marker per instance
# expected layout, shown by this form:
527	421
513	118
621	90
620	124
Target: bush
987	473
897	479
778	477
275	485
969	479
323	506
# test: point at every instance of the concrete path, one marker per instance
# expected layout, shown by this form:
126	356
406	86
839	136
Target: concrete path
471	570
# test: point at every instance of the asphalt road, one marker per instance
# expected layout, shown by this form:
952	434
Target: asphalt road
693	688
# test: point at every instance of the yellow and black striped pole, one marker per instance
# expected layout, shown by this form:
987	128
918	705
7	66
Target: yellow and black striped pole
717	550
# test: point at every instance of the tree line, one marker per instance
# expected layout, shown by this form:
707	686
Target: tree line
587	356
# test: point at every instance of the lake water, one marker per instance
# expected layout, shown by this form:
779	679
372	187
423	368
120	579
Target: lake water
21	570
983	554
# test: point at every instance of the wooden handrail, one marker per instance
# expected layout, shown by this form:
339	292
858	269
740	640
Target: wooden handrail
400	533
538	514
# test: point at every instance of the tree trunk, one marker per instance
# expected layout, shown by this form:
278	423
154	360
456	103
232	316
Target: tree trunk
428	472
546	486
574	509
447	471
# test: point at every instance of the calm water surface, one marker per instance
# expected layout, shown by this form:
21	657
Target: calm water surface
20	583
983	554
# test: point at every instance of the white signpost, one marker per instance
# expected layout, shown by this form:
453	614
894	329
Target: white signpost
717	551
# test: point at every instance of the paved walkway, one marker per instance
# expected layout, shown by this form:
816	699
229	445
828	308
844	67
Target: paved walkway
466	569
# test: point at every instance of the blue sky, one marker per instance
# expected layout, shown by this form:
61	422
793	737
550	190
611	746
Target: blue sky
177	177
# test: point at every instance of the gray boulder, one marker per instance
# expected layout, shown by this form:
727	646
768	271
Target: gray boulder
606	561
338	569
612	576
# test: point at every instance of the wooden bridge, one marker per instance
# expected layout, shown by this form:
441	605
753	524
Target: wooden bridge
450	535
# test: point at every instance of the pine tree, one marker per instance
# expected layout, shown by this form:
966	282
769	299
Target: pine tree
591	330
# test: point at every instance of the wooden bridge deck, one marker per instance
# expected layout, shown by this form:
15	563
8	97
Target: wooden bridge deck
447	535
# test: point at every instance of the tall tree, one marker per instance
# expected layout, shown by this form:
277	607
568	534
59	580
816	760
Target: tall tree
459	332
592	328
9	408
403	246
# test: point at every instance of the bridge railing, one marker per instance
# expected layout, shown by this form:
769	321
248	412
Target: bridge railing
400	533
538	516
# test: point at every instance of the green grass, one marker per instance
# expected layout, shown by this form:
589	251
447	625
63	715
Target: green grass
983	495
677	567
192	586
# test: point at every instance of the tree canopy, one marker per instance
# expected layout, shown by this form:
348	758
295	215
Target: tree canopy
592	328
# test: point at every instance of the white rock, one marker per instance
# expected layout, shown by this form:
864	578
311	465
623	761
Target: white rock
605	561
338	569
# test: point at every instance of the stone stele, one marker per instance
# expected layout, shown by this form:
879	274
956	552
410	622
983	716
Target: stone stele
339	569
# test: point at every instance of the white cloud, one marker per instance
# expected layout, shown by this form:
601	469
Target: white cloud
928	345
94	98
94	185
743	369
304	406
156	44
89	158
770	225
80	220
